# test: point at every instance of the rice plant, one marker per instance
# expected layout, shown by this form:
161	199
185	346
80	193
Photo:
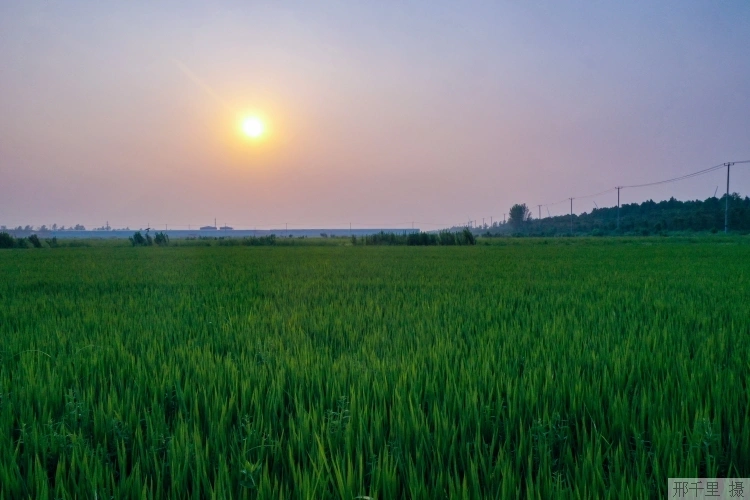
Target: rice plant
555	369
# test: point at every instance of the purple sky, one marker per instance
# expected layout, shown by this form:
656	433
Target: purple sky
379	114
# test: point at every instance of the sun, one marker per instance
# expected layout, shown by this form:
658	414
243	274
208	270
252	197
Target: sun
253	127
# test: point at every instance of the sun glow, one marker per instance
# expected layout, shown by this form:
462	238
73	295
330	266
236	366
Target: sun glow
253	127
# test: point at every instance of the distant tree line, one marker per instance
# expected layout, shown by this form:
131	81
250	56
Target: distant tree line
645	218
464	237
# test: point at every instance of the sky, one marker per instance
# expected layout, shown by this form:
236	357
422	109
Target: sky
377	114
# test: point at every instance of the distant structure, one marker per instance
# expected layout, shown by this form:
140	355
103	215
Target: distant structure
225	228
209	228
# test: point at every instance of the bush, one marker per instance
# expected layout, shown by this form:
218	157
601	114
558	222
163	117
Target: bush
161	239
467	237
7	241
447	238
137	240
260	241
34	240
422	239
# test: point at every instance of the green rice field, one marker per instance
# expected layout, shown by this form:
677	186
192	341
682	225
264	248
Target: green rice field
560	368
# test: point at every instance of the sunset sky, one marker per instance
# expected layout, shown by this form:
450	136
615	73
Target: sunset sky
374	113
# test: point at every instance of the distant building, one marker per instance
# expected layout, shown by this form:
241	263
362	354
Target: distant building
225	228
208	228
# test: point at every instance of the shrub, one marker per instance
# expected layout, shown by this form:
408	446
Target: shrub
447	238
137	240
260	241
7	241
467	237
34	240
161	239
422	239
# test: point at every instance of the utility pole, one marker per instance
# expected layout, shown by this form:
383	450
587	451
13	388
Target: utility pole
482	222
490	221
571	216
540	211
618	207
726	208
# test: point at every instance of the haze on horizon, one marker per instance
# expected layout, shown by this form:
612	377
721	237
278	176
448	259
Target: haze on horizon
437	112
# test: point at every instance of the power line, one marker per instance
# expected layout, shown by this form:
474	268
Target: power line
665	181
675	179
688	176
595	194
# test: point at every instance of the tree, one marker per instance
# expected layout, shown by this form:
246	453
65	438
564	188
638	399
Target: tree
34	239
519	213
7	241
468	237
161	239
137	240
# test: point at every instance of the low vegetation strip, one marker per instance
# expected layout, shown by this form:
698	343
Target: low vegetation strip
570	369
